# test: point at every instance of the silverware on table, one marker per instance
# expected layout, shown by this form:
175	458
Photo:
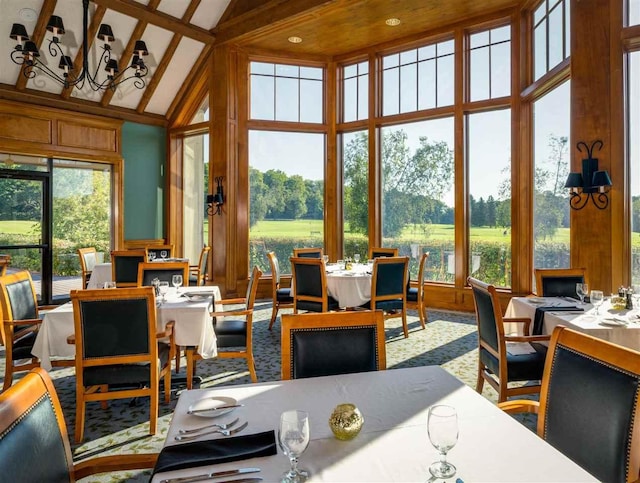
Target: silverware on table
224	432
213	474
214	425
204	410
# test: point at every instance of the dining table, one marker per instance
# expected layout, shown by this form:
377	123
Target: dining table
101	272
393	444
191	314
620	326
352	287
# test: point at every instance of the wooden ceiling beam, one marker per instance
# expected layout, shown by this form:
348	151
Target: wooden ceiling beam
160	19
38	36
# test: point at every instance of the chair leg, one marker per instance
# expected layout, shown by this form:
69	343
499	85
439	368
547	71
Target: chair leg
167	385
80	408
153	417
8	375
274	313
104	389
177	359
422	314
252	368
480	381
191	366
405	327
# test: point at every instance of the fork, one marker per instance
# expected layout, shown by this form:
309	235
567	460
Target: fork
214	425
224	432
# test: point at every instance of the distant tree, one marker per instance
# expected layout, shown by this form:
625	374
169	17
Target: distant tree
315	199
491	211
275	196
356	183
258	204
295	205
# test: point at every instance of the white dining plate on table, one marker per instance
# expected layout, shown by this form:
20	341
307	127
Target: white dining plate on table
211	407
197	297
536	300
613	322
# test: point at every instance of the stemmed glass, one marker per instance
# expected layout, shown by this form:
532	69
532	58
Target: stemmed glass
597	298
176	281
152	256
293	438
582	289
442	426
164	288
163	254
356	257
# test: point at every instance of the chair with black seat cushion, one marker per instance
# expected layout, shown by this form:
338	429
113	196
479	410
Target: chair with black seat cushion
124	267
164	272
20	323
588	406
308	252
155	251
388	288
559	282
198	273
87	262
505	359
416	299
309	286
330	343
234	337
382	252
119	353
34	444
282	298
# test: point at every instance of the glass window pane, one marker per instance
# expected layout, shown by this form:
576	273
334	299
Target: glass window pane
408	87
539	12
479	39
633	109
350	71
408	56
427	52
567	30
284	70
427	85
501	69
445	80
350	99
262	97
310	73
287	89
355	160
540	50
489	161
446	48
390	92
262	68
195	179
311	101
480	74
556	37
634	12
24	163
363	96
501	34
389	61
363	68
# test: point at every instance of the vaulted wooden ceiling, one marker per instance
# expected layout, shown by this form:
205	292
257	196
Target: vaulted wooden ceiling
180	35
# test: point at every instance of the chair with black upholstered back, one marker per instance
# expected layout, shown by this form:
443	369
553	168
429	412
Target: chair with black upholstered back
198	273
388	288
34	444
416	298
382	252
87	262
119	353
309	283
331	343
588	406
559	282
281	296
234	330
505	358
164	272
124	266
5	261
308	252
155	251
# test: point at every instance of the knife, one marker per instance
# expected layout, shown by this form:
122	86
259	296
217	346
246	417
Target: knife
204	410
216	474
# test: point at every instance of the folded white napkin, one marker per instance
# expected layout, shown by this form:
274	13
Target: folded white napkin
519	348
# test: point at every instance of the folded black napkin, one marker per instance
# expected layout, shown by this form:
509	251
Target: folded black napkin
538	318
215	451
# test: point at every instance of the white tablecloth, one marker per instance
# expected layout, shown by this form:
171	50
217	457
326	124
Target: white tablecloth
193	327
100	274
393	444
351	288
587	322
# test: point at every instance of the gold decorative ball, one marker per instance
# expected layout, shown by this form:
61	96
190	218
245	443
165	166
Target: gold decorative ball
346	421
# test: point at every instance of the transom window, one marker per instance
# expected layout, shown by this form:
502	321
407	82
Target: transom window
551	35
490	58
356	92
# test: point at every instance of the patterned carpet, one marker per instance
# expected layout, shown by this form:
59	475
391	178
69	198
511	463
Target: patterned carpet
449	340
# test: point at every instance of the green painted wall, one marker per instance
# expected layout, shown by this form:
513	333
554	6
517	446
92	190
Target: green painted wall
144	149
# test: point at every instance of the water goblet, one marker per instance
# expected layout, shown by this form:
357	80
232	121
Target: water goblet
356	257
597	298
293	438
164	288
582	289
152	256
442	426
176	281
109	285
341	264
325	259
163	254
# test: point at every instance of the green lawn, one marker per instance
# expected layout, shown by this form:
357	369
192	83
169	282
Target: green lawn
17	227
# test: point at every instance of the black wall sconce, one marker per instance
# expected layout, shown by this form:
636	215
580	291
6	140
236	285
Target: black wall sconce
591	183
216	201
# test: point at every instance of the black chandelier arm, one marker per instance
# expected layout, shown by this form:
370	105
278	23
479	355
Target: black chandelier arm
29	72
137	75
578	200
601	200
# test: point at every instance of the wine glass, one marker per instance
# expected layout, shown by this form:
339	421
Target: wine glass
356	257
582	289
109	285
176	281
163	254
442	426
325	259
293	438
152	256
164	288
597	298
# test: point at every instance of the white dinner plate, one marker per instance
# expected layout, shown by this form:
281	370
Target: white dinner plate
536	300
206	407
613	322
197	297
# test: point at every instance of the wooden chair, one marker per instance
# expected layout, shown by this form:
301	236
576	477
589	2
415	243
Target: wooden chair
124	266
308	252
234	336
118	352
416	299
87	262
32	427
20	323
588	406
164	272
309	282
5	261
198	273
559	282
388	288
495	364
382	252
282	298
331	343
156	251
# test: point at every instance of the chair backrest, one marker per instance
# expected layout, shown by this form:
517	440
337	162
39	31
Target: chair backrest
382	252
307	252
87	258
589	404
309	284
34	445
324	344
489	317
559	282
275	271
18	297
124	266
163	271
202	265
5	261
252	288
389	279
157	251
422	272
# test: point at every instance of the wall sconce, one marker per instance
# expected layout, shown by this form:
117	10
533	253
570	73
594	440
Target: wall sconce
591	183
216	201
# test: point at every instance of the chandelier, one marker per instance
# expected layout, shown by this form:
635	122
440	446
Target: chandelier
26	54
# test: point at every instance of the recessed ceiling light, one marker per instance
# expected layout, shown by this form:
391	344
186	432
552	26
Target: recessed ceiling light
28	14
392	22
294	40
